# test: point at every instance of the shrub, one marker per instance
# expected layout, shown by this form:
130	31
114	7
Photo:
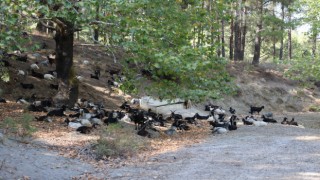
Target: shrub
19	127
314	108
118	141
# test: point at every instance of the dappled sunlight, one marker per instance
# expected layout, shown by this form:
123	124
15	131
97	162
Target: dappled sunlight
308	175
308	138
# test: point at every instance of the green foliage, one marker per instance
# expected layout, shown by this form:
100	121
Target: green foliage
19	127
314	108
158	35
116	141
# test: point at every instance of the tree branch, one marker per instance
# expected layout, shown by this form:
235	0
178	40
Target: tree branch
114	57
47	26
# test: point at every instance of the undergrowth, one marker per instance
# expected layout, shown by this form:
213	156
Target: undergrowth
117	141
18	127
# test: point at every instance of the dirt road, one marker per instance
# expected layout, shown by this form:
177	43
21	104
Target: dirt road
272	152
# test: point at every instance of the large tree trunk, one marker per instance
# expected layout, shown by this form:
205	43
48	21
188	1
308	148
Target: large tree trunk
237	33
68	86
282	29
257	42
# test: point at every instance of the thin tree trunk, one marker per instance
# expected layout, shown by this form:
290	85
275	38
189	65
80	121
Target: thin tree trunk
282	29
96	30
223	51
231	44
273	30
244	31
257	42
314	42
289	39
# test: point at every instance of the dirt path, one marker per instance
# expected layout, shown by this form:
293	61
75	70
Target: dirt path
272	152
20	161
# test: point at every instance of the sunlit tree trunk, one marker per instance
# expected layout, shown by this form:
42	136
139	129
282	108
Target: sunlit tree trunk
257	41
282	29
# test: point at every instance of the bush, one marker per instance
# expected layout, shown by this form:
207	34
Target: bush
19	127
117	141
314	108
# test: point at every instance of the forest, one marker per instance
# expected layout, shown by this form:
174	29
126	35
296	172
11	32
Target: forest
159	89
184	44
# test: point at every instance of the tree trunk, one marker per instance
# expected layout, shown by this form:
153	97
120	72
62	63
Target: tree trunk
231	44
223	51
237	33
257	42
96	30
273	30
68	86
289	39
244	32
282	29
314	43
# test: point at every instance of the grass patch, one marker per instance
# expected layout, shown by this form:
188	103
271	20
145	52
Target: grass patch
314	108
118	141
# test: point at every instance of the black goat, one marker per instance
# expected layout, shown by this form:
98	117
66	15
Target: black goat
255	109
93	76
36	74
285	120
210	107
232	111
175	116
268	120
53	86
51	60
292	122
125	105
201	117
35	108
180	124
2	100
113	117
27	86
191	120
4	63
139	119
86	129
57	112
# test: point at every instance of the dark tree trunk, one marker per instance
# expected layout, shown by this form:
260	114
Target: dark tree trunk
244	32
314	44
237	33
231	44
257	42
289	40
223	51
96	30
64	61
282	29
274	37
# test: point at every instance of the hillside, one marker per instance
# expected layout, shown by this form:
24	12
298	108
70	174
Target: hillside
264	85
